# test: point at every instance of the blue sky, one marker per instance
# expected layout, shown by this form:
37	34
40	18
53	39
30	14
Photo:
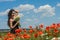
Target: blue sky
32	12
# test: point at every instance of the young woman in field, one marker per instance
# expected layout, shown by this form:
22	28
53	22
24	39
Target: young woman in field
12	23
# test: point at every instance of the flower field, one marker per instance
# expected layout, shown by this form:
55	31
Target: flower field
51	32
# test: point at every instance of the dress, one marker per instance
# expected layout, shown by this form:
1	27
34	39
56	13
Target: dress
13	29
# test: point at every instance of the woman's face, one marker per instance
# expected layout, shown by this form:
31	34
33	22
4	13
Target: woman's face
13	15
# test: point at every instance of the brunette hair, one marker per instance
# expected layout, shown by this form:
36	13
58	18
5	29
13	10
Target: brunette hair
9	16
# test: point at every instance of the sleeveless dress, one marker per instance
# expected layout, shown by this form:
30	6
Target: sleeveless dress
13	29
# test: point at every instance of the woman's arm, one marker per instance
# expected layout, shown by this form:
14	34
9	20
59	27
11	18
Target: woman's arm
12	26
11	23
16	23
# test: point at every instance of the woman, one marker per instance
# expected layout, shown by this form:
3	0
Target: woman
11	22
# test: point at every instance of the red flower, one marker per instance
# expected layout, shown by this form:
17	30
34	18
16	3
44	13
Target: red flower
9	34
18	30
10	39
35	35
47	28
41	25
58	25
56	31
26	36
30	27
31	31
5	38
40	32
54	26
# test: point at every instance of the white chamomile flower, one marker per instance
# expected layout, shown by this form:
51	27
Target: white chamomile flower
17	18
55	38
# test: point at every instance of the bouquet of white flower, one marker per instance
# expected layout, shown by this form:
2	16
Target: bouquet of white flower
17	18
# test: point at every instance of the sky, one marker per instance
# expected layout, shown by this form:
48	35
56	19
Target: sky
32	12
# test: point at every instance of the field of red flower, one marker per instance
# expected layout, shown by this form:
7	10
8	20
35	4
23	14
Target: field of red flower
51	32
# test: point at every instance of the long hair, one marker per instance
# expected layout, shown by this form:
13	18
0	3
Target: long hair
9	16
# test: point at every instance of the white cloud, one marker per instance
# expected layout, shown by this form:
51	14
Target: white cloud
46	10
28	19
6	0
21	15
24	22
25	7
4	12
58	4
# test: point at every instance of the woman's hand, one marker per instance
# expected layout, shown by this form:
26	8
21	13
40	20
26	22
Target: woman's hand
11	27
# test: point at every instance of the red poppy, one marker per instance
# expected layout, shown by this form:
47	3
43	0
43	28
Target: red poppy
41	25
5	38
54	26
56	31
40	32
35	35
58	24
10	39
31	31
9	34
18	30
30	27
26	36
47	28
